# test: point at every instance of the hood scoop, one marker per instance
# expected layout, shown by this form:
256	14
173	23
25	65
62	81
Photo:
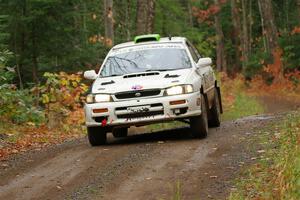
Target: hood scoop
141	74
108	83
171	76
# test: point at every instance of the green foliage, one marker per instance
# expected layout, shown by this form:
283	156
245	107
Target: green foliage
254	65
243	106
6	73
291	56
4	35
15	105
63	89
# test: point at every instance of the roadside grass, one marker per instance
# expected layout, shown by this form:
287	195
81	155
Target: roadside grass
243	105
176	191
236	100
177	195
276	175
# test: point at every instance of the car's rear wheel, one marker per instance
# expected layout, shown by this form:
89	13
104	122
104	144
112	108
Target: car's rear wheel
120	132
96	135
215	112
199	124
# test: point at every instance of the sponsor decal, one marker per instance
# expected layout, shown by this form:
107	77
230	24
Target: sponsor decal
146	47
137	87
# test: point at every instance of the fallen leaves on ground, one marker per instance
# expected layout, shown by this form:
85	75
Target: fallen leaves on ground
21	138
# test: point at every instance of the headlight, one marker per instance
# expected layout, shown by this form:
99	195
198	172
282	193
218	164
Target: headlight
102	98
174	90
179	89
98	98
188	89
90	98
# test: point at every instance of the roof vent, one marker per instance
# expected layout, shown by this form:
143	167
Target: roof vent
147	38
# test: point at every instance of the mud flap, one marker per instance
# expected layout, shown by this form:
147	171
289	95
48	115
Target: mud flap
220	99
206	103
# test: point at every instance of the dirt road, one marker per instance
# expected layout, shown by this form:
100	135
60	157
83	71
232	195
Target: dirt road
141	166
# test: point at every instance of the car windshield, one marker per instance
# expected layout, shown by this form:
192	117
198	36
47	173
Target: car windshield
155	59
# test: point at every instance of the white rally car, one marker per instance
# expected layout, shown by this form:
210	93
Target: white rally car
152	80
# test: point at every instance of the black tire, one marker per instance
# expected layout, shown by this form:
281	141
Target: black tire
120	132
199	124
96	135
215	112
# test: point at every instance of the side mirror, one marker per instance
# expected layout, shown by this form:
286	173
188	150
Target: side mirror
90	74
204	62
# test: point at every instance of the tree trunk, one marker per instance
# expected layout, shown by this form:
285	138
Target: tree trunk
245	40
190	11
145	16
262	27
34	58
84	24
268	25
140	16
127	20
271	38
250	20
109	22
151	15
22	45
17	60
236	21
298	5
221	57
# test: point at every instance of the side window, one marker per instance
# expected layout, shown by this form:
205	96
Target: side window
193	52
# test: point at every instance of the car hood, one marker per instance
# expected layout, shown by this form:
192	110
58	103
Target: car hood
142	81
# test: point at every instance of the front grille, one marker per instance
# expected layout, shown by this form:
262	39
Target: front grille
137	94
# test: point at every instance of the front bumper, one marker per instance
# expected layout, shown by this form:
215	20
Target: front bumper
153	110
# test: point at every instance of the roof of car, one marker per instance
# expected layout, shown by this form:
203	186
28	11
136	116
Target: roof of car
162	40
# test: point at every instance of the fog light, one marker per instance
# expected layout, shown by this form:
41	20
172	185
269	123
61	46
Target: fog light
100	110
177	102
177	111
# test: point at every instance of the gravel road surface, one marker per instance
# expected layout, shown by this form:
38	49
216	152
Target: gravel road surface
142	166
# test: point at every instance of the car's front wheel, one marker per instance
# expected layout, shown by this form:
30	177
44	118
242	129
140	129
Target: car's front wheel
96	135
120	132
199	124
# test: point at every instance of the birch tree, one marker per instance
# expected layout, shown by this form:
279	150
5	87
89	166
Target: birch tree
221	56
